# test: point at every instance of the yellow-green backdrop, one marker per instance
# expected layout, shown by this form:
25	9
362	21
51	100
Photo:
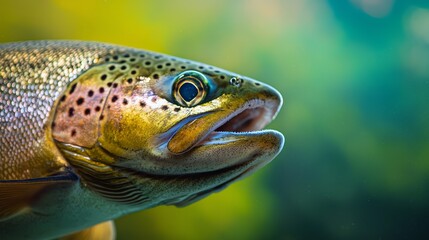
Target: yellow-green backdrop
355	78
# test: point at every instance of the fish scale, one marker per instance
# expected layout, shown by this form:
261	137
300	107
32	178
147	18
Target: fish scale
39	74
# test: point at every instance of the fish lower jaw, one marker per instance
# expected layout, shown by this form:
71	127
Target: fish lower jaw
236	173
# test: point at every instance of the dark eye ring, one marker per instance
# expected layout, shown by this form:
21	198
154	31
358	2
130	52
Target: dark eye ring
190	88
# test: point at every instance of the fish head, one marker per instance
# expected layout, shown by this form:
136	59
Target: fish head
179	129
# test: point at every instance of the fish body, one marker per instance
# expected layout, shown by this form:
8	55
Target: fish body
90	132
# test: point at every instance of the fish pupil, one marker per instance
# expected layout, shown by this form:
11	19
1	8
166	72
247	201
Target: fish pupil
188	91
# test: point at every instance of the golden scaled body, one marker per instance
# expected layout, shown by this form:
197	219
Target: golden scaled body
90	132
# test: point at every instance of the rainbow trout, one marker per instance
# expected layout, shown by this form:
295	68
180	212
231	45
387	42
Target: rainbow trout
90	132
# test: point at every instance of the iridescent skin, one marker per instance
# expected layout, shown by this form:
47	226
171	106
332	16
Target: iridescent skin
111	117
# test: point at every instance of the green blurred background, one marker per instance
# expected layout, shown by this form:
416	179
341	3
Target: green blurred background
355	78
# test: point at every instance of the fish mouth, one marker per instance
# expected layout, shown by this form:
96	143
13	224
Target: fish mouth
251	118
226	138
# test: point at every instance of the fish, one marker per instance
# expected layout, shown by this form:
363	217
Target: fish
92	131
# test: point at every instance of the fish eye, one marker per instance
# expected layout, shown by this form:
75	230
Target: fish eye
190	88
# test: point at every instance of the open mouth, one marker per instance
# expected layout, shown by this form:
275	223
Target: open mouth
250	119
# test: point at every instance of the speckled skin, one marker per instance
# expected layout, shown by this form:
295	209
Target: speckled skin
32	76
108	114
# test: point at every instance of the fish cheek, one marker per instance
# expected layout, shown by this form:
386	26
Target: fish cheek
132	119
79	108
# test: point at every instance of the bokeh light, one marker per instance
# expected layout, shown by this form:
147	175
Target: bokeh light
355	78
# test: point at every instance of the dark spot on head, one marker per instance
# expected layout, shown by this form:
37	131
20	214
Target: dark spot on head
108	106
142	55
173	59
114	98
122	61
200	67
217	71
73	132
87	111
147	63
115	57
126	55
123	67
97	109
154	99
142	104
132	59
107	59
125	101
172	69
109	84
112	67
101	117
115	85
101	90
183	67
222	77
103	77
90	93
133	72
164	107
73	87
176	109
80	101
130	80
159	66
71	112
63	98
53	125
157	57
168	64
257	84
155	76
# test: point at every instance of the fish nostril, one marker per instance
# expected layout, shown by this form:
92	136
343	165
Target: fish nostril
236	81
